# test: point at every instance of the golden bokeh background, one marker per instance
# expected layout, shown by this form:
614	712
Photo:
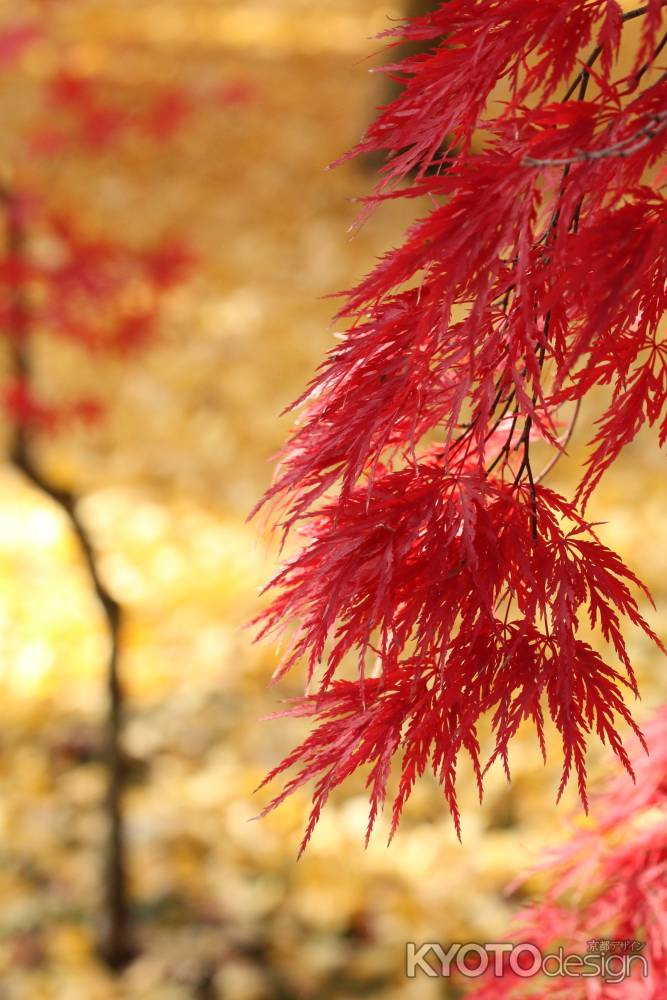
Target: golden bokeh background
220	905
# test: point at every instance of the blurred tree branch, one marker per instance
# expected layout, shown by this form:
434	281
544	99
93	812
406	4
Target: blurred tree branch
116	944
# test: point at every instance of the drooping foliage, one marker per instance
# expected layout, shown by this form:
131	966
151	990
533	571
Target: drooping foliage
432	555
608	893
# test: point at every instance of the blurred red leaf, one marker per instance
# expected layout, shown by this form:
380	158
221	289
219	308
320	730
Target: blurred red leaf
101	125
67	90
168	113
134	331
169	264
15	39
237	92
26	410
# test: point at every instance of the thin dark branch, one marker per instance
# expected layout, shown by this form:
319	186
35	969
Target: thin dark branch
649	62
116	944
630	15
584	76
564	441
624	147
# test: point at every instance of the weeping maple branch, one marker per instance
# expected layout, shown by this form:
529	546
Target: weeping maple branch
452	563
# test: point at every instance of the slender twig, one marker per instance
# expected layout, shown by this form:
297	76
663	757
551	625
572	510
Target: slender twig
624	147
505	450
584	76
630	15
563	443
649	62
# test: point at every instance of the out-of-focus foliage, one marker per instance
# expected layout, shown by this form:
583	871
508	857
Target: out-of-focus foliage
609	880
222	908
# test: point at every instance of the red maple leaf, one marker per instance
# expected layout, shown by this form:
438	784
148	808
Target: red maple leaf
15	39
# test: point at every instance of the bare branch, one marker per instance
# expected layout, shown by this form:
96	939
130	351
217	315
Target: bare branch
624	147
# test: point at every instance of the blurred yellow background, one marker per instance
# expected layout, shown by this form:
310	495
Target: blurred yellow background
220	905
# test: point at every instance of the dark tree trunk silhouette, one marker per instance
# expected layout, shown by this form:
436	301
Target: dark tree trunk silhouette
115	938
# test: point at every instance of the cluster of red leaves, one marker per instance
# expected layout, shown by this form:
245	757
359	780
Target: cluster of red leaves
90	118
99	294
28	410
609	883
83	113
464	609
539	273
87	117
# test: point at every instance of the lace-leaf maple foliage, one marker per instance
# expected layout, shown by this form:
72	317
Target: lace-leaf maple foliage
608	884
452	574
